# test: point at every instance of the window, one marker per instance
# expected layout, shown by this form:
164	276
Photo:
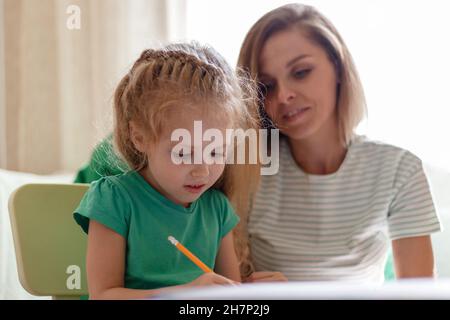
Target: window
401	50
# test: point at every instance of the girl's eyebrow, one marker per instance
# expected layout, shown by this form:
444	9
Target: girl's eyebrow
173	143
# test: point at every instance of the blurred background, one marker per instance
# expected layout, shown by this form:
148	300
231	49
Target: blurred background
56	82
60	61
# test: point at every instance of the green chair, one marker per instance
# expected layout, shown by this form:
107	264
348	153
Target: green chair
50	247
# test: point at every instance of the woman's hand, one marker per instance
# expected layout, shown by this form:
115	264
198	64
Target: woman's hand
266	276
211	278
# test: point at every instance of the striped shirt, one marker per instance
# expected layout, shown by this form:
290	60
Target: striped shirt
338	226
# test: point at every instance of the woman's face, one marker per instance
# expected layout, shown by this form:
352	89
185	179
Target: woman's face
301	85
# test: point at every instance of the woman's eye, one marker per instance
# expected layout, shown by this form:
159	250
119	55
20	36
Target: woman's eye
267	88
300	74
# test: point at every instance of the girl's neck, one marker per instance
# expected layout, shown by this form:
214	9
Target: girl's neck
321	153
148	176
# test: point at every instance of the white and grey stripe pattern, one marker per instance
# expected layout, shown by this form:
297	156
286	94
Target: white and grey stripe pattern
338	226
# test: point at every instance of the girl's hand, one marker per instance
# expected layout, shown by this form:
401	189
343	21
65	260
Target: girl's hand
211	278
266	276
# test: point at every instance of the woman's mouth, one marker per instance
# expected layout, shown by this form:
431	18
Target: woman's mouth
194	188
294	115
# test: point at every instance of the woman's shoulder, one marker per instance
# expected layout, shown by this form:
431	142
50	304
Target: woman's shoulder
364	144
367	148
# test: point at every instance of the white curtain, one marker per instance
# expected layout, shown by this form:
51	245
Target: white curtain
59	82
56	86
2	91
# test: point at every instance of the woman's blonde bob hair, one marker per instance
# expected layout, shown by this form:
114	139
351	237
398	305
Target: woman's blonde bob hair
351	104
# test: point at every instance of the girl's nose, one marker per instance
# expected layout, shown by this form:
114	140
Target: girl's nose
200	170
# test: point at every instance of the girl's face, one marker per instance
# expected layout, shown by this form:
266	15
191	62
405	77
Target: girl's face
184	183
301	85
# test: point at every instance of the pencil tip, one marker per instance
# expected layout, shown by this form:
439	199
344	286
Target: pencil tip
173	240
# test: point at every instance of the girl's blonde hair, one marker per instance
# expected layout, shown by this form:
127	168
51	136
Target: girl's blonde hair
351	104
176	78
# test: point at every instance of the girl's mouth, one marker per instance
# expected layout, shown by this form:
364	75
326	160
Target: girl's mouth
194	188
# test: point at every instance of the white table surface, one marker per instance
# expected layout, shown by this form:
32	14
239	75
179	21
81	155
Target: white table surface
396	290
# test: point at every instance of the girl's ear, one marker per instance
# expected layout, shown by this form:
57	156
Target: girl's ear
137	137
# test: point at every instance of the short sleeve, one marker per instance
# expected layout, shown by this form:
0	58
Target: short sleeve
228	218
106	203
412	212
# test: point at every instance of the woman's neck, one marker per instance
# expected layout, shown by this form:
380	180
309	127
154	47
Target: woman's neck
321	153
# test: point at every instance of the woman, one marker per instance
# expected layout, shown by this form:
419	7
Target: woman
338	198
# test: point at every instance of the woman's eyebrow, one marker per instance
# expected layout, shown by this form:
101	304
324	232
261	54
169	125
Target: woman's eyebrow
263	76
296	59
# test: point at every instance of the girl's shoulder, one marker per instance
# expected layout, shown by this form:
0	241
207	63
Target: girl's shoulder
215	198
107	202
110	180
113	186
214	195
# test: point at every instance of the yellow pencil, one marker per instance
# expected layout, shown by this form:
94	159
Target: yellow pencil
189	254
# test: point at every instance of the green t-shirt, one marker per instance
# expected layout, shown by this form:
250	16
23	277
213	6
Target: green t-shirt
129	205
103	162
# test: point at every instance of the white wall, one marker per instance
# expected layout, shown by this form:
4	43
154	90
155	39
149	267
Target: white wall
401	51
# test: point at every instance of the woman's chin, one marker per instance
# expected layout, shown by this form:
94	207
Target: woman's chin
297	133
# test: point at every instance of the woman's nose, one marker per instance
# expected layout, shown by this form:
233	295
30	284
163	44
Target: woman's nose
285	94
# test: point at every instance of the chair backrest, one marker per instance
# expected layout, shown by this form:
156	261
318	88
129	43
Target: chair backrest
50	247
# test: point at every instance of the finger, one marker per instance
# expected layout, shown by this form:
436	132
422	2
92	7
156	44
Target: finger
221	280
232	282
268	277
262	275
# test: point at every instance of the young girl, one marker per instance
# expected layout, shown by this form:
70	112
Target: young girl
130	216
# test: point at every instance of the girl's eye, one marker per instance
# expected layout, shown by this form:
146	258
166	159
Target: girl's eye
181	154
300	74
217	154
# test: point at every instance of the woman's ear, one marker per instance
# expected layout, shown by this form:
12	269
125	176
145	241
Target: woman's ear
137	137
